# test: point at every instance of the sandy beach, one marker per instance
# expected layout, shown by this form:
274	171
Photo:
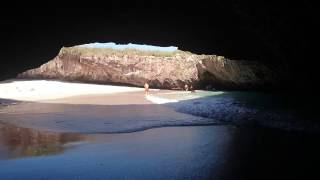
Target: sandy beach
43	90
48	91
55	107
105	105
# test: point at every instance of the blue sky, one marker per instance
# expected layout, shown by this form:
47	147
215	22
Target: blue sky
130	45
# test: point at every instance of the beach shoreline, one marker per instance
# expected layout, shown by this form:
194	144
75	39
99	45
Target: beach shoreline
106	109
159	108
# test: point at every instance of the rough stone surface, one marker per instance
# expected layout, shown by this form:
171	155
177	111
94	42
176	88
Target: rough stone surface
169	71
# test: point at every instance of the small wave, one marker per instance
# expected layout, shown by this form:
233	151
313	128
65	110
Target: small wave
7	102
159	100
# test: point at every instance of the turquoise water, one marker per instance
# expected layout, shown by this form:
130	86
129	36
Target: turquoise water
189	95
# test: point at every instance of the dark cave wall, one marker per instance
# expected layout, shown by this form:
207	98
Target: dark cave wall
279	34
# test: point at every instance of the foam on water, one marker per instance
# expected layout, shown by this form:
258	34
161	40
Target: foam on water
172	97
159	100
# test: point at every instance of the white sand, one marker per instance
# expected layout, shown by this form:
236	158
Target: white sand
124	98
40	90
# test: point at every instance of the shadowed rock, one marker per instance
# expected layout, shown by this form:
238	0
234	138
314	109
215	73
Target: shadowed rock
21	142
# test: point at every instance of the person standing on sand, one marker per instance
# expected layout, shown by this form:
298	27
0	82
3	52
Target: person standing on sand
186	87
191	89
146	88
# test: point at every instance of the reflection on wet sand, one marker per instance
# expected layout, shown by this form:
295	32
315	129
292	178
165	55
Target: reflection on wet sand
20	142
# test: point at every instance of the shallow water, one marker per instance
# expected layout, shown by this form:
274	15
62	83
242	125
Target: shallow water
95	118
184	95
198	152
65	141
199	108
153	154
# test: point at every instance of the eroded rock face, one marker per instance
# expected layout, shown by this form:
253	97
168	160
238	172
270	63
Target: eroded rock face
222	73
170	71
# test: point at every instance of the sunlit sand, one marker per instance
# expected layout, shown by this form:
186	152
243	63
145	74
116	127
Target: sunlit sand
43	90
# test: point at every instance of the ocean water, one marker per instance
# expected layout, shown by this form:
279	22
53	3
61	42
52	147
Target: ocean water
65	141
193	152
239	108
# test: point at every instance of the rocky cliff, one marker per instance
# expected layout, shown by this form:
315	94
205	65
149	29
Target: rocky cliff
170	70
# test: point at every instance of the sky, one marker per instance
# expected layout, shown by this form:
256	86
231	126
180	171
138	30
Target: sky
143	47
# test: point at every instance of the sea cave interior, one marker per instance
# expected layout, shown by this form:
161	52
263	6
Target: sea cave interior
156	90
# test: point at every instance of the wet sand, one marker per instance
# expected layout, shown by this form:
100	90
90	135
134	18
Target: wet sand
87	118
97	113
122	98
